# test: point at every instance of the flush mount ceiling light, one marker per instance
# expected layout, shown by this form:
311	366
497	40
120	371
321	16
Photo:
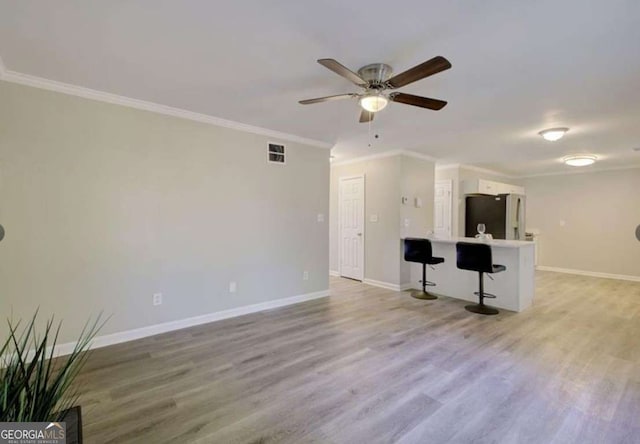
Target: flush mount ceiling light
373	102
579	161
553	134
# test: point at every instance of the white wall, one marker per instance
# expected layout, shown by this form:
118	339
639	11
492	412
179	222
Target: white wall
600	211
105	205
387	180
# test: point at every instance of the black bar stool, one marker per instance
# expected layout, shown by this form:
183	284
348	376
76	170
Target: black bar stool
477	257
419	250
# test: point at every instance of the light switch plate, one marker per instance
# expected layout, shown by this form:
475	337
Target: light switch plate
373	218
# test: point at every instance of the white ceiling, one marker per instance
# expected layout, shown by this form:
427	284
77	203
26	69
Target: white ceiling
518	67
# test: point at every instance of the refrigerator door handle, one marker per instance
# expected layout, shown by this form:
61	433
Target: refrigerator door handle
517	227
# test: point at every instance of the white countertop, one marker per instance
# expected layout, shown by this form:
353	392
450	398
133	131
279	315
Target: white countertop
493	242
514	288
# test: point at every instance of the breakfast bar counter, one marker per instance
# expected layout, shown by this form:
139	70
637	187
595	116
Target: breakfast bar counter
514	288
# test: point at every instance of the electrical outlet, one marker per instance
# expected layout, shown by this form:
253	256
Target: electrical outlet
305	276
232	287
320	217
157	299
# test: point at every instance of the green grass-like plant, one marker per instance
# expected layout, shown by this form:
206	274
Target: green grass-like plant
35	385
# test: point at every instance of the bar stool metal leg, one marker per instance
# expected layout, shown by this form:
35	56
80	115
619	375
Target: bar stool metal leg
424	295
481	308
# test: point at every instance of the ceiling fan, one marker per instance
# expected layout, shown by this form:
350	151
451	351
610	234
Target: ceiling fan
376	79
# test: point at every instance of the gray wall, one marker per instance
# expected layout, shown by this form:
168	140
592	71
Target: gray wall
600	210
105	205
387	180
417	180
382	196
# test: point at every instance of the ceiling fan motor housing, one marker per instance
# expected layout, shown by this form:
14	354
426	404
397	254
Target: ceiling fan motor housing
376	74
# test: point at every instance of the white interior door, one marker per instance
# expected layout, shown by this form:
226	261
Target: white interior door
351	214
442	208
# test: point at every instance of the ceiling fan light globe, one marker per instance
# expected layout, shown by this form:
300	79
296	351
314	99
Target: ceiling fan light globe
374	102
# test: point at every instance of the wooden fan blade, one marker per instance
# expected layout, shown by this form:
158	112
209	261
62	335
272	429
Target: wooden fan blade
366	116
342	70
422	102
426	69
326	99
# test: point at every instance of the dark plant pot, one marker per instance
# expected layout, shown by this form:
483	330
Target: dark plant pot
73	418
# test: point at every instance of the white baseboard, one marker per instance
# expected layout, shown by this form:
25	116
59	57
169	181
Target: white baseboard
139	333
622	277
381	284
387	285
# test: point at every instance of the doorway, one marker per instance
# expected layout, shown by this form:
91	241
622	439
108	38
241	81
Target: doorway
442	208
351	227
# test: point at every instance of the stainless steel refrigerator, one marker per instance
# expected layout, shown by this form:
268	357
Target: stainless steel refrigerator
503	215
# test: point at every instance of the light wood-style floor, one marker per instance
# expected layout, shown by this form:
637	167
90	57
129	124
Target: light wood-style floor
369	365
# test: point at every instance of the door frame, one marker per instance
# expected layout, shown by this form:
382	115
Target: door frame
364	222
449	184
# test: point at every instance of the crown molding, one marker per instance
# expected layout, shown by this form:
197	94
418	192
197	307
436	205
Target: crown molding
417	155
451	166
588	171
101	96
487	171
447	166
366	158
391	153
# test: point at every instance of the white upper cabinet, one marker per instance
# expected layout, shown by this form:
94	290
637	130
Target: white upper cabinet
481	186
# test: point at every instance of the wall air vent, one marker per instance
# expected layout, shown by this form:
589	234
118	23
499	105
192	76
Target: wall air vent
276	153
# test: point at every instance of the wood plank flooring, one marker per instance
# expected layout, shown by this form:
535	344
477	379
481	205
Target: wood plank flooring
369	365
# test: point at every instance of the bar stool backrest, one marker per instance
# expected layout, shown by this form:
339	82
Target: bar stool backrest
474	257
417	250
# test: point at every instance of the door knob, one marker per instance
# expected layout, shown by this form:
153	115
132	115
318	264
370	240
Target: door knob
359	234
